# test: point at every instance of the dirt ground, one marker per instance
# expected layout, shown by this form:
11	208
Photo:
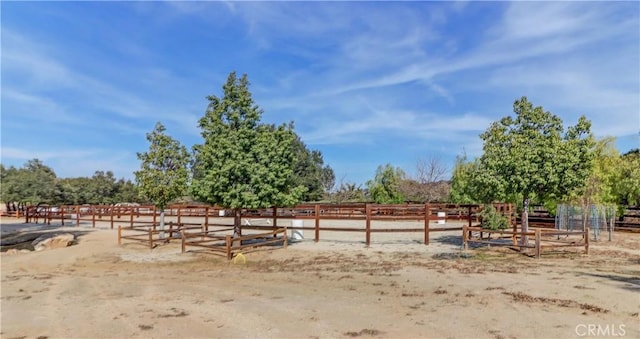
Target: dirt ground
336	288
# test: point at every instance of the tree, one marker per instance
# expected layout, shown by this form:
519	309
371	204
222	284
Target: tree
34	183
163	174
347	192
243	163
628	186
102	188
310	172
385	187
532	155
9	191
461	178
126	191
600	186
428	184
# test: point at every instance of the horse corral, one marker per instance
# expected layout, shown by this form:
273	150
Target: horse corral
210	227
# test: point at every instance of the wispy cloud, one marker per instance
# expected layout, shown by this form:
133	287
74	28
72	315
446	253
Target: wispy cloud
366	83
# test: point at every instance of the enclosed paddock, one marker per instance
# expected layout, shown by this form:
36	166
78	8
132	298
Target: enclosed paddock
544	238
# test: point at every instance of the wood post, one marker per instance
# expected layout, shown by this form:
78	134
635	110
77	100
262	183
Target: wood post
206	217
317	230
426	223
538	249
131	215
182	237
228	246
93	216
275	216
62	215
154	217
77	216
119	235
111	215
150	238
179	214
514	236
284	237
368	224
586	241
465	237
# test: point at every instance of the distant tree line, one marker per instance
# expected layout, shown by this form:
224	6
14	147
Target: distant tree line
37	183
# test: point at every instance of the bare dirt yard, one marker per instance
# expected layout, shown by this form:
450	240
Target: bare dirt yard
336	288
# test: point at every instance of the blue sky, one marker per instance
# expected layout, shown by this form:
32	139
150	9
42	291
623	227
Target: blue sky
366	83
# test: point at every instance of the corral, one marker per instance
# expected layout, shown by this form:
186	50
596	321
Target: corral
209	227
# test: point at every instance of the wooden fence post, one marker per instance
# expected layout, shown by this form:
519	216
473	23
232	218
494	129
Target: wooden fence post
206	217
538	249
275	216
182	236
284	236
228	246
154	217
150	238
586	241
465	237
179	213
93	216
131	215
61	209
111	215
317	230
427	210
119	235
368	224
77	216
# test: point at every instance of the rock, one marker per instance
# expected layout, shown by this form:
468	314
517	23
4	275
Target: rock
12	251
47	241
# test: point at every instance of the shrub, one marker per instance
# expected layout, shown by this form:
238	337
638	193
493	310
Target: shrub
491	219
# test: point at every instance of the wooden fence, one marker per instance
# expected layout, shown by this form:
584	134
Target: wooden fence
544	238
228	245
140	223
322	215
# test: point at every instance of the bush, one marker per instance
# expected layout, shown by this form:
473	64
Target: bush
492	220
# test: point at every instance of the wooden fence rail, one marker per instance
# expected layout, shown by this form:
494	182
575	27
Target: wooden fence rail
137	216
228	245
543	238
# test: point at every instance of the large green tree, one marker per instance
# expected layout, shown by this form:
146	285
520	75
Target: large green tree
243	163
33	183
385	187
462	191
531	155
311	172
628	186
163	174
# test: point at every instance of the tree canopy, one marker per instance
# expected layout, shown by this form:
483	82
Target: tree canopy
163	174
310	172
532	155
385	187
36	183
243	163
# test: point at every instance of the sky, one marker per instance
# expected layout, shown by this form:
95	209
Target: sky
366	83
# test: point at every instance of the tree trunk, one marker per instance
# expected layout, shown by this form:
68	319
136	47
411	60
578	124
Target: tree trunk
237	223
524	240
162	223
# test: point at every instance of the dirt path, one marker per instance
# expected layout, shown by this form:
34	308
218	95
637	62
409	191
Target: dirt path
96	289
